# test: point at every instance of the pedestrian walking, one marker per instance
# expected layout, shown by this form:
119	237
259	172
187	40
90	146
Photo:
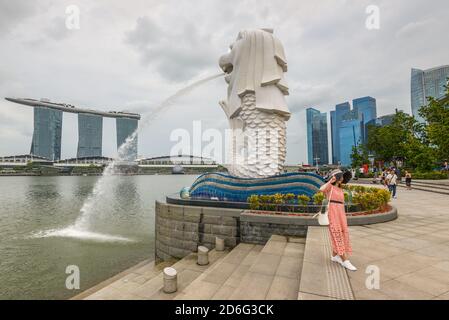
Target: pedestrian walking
392	181
408	180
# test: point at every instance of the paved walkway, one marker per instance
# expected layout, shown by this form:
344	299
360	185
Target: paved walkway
412	252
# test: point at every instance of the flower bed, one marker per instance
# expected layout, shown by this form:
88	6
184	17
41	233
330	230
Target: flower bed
359	200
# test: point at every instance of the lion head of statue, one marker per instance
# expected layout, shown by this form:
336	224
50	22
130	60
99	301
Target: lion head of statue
255	65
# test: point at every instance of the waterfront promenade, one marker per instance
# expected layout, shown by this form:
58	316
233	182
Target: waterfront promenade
411	253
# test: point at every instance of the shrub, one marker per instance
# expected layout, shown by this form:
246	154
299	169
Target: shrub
433	175
318	198
347	197
253	201
289	198
384	196
303	200
372	198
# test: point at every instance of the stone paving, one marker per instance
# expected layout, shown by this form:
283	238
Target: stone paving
412	252
146	281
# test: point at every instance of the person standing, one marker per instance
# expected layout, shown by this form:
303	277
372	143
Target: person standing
338	225
408	180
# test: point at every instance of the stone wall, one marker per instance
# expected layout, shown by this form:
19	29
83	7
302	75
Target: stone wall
181	229
257	228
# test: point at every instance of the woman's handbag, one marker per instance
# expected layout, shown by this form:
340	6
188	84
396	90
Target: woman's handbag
323	217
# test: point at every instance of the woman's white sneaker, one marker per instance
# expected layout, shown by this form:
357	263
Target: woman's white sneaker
336	258
348	265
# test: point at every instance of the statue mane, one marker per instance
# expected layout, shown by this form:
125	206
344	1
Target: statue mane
256	65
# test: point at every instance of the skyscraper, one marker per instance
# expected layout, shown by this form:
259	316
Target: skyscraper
427	83
90	135
349	127
350	135
47	133
125	128
340	110
366	107
334	136
317	143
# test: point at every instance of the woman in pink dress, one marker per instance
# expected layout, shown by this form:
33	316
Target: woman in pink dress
338	225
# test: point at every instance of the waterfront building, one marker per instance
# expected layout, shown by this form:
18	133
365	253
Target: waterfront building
183	160
349	127
340	110
48	126
90	135
317	143
351	135
427	83
47	131
334	136
125	129
366	107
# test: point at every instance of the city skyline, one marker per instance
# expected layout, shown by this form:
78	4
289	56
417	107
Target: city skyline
142	60
348	128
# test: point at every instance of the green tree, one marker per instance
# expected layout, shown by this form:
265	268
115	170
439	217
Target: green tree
359	156
436	114
406	139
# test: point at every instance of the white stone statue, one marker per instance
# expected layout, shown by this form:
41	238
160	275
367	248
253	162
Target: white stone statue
256	107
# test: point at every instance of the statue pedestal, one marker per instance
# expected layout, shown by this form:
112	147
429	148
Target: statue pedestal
224	187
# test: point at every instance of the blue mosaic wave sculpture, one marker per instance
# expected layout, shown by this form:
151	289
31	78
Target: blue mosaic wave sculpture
224	187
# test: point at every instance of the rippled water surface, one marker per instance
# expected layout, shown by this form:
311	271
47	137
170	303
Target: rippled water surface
38	240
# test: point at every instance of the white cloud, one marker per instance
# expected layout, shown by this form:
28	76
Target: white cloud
133	56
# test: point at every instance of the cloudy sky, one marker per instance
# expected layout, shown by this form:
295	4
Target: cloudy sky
132	55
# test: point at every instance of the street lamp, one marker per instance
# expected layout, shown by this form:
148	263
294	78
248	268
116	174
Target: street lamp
316	161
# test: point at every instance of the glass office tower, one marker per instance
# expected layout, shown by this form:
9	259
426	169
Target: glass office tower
334	140
366	107
350	134
47	133
317	143
125	128
340	110
90	135
427	83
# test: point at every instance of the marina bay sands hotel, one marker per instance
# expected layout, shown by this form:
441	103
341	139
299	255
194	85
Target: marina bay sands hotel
48	128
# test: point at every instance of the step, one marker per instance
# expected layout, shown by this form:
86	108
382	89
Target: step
217	282
253	272
133	276
433	188
275	273
322	279
151	287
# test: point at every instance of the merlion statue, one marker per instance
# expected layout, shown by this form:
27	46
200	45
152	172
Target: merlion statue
256	107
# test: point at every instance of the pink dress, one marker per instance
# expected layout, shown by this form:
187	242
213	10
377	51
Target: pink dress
338	225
